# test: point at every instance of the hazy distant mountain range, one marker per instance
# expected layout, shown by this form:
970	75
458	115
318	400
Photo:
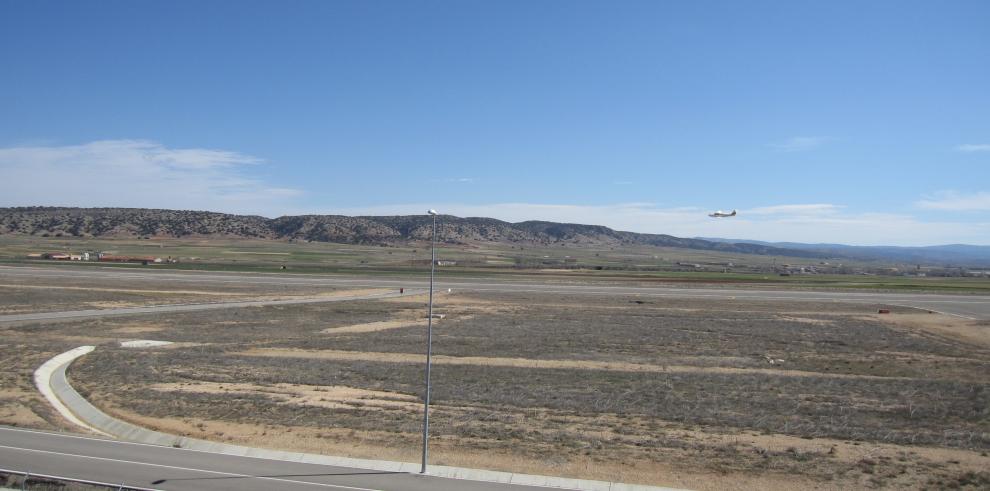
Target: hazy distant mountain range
949	254
141	222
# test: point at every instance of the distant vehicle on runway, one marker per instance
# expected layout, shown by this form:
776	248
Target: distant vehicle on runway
722	214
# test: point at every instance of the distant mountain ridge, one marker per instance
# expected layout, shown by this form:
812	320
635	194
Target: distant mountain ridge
948	254
143	222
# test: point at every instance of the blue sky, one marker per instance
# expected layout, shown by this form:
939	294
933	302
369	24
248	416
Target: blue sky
856	122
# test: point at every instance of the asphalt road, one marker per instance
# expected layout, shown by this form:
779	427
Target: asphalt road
167	468
965	306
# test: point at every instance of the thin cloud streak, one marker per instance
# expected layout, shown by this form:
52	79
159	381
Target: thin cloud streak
809	209
799	143
137	173
971	147
955	201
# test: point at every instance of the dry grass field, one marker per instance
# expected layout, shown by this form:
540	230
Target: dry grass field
24	294
634	389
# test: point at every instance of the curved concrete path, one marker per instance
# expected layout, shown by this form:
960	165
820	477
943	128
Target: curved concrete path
44	375
51	379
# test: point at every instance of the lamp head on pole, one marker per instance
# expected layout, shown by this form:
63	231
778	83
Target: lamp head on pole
432	212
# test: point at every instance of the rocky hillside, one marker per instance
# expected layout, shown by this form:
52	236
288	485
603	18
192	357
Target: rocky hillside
139	222
130	222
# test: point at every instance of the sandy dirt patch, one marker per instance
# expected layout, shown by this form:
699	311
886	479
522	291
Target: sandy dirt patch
253	298
16	308
121	290
405	321
531	363
331	397
258	253
374	326
806	320
114	304
144	343
328	294
139	329
442	298
347	293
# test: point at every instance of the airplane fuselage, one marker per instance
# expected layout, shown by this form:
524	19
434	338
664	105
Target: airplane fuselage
722	214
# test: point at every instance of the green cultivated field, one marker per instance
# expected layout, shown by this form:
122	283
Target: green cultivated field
646	264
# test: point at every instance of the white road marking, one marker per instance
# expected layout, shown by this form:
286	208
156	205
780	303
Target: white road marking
159	447
230	474
171	449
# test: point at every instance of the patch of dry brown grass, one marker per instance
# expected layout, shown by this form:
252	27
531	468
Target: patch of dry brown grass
948	326
848	465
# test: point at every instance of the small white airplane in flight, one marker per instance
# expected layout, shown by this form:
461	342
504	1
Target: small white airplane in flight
722	214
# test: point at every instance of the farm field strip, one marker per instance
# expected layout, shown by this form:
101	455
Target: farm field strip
191	307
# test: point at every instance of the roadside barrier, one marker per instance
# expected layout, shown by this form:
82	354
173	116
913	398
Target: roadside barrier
46	481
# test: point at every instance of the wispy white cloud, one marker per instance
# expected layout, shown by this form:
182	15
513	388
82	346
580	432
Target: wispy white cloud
799	143
956	201
137	173
973	147
462	180
791	222
802	209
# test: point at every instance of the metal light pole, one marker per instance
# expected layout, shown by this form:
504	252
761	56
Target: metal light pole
429	344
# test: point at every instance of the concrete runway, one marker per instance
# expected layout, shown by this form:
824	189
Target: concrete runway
976	307
157	467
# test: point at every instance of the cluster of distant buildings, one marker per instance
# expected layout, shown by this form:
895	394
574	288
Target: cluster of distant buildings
924	271
98	256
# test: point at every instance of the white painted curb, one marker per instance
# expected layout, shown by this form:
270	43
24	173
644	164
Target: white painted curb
51	380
